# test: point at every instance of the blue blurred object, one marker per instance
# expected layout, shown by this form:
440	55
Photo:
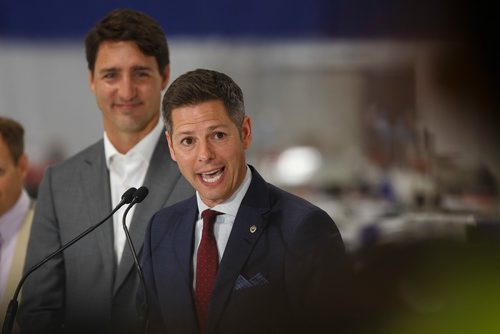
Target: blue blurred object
59	19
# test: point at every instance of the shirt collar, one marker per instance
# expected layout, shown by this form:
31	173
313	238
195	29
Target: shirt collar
144	148
231	206
11	221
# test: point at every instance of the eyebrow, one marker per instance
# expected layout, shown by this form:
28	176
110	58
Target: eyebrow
209	129
142	68
212	128
134	68
108	69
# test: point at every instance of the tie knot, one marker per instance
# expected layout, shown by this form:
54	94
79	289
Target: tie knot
209	216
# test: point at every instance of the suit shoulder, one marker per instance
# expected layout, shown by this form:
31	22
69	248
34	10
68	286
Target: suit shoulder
63	173
91	152
282	205
298	217
168	218
291	202
177	209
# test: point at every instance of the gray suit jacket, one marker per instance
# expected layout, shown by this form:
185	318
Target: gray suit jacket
84	290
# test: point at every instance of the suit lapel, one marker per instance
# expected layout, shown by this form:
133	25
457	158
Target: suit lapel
95	182
161	177
175	283
240	245
184	239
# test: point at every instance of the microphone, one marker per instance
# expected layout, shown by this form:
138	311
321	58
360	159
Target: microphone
139	196
127	197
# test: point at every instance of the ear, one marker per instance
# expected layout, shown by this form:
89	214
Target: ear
170	147
23	165
165	77
246	132
91	81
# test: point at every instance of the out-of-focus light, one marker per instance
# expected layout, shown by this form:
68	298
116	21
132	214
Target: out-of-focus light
297	165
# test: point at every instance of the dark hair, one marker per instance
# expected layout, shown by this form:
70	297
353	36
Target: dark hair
128	25
12	134
203	85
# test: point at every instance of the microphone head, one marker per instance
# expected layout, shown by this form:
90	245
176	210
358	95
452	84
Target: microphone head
141	194
128	195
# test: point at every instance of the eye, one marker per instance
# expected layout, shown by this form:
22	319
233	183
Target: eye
219	135
187	141
142	74
109	75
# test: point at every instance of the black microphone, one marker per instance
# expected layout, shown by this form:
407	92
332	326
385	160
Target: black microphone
127	197
139	196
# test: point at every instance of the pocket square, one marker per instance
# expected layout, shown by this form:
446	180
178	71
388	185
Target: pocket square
243	283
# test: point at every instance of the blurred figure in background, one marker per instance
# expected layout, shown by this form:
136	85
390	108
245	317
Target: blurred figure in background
91	287
16	209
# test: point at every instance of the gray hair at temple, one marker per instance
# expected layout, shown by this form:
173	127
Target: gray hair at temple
201	85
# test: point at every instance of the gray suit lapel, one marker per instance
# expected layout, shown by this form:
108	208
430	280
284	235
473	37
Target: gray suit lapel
161	177
95	182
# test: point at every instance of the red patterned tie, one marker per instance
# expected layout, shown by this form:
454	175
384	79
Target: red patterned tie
207	263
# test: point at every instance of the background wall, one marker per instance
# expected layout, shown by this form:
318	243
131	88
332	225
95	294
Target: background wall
369	109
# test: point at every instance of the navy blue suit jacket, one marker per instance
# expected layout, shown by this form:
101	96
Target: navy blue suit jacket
277	279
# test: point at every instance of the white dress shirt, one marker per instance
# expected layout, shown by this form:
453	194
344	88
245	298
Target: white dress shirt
224	222
125	171
10	225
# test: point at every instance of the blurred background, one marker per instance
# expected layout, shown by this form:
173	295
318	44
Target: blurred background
383	113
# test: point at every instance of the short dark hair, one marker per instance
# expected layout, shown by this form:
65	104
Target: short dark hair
200	86
12	134
128	25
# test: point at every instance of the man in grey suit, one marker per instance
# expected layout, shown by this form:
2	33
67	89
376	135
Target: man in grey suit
92	286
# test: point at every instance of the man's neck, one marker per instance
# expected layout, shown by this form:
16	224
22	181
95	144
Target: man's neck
125	141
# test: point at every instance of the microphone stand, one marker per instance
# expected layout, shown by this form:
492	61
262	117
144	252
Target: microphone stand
139	196
14	304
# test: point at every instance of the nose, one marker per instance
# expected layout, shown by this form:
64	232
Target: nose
205	151
126	90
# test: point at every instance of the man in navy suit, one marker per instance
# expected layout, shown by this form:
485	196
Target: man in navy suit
277	255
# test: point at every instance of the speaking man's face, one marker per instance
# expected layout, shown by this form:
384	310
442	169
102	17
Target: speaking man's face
209	149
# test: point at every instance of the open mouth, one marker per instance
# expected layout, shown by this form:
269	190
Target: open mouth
212	176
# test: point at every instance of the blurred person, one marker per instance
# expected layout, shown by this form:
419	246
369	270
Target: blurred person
91	287
16	209
267	260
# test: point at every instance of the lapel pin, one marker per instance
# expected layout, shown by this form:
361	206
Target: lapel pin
253	228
